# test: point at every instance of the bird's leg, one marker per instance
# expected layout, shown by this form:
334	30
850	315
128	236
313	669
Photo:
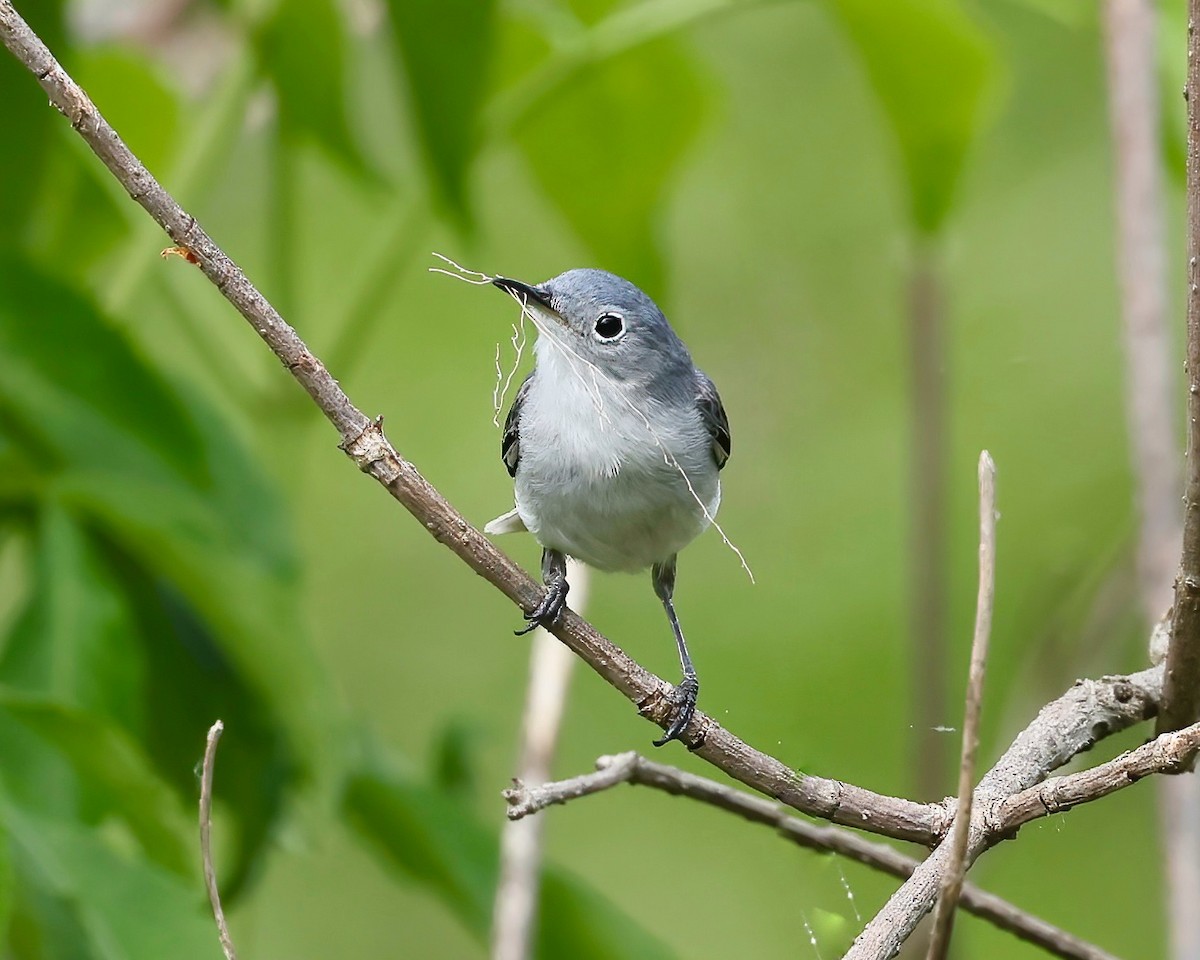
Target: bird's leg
554	575
684	696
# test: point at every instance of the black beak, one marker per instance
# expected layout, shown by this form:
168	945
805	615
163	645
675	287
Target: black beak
522	290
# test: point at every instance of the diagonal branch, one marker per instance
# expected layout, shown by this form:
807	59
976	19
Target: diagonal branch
1167	753
364	442
634	769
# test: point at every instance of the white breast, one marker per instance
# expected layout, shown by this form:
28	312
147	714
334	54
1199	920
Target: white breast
611	479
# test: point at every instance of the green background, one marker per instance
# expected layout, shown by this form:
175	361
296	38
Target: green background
180	538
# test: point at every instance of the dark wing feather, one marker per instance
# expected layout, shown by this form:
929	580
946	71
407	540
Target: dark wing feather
713	413
510	445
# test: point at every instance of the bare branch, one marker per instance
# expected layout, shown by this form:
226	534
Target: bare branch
956	869
524	800
364	442
210	872
1167	753
1181	689
634	769
1085	714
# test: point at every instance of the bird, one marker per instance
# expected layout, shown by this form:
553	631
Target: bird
615	442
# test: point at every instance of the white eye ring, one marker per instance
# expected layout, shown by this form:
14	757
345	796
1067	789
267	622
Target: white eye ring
609	327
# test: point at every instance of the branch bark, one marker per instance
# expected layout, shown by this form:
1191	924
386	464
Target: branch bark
637	770
1088	712
1181	690
1167	753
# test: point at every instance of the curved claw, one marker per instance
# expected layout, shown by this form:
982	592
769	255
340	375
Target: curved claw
546	612
683	698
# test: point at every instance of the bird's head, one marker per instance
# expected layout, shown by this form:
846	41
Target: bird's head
605	320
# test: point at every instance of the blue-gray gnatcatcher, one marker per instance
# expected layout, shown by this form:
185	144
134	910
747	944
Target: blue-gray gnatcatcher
615	441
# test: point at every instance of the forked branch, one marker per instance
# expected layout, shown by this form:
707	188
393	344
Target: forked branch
637	770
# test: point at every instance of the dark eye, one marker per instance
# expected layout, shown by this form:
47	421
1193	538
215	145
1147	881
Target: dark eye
609	325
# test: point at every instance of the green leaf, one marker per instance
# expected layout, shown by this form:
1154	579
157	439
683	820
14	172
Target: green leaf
125	908
103	633
160	476
302	50
28	121
7	886
931	67
116	771
75	222
1070	13
433	838
1172	73
128	88
428	837
452	767
75	391
576	920
605	144
834	932
164	561
445	82
46	926
251	613
76	639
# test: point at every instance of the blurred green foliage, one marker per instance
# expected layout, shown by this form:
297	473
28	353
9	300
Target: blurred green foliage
180	539
933	100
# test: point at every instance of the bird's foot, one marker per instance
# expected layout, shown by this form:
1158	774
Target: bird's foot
546	612
683	704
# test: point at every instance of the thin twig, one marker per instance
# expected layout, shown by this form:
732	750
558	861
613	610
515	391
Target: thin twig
956	868
1181	689
634	769
514	915
210	872
1167	753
